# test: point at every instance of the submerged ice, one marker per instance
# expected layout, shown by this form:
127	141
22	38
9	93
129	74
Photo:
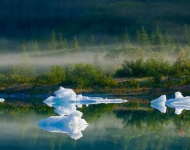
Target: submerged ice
69	121
180	103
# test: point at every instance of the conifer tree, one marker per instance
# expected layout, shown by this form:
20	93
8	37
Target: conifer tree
169	42
24	55
142	37
159	39
126	37
168	39
36	48
53	42
186	35
75	44
92	40
63	45
96	60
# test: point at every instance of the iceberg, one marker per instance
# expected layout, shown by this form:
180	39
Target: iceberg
180	103
2	100
72	124
64	95
66	101
160	100
69	121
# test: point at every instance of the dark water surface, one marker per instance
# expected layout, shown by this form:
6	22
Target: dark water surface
133	125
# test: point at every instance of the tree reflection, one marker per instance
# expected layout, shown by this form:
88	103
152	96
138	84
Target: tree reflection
130	128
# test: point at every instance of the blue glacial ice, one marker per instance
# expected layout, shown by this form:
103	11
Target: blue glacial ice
180	103
69	121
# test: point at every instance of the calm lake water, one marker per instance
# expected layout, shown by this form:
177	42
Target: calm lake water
133	125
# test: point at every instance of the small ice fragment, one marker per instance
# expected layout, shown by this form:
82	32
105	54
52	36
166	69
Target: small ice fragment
2	100
178	95
161	99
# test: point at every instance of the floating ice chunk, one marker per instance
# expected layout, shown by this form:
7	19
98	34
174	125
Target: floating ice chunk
178	98
49	101
65	97
72	124
180	103
160	106
65	102
2	100
161	99
65	93
178	95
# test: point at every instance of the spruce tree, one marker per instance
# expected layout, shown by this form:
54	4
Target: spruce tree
63	45
126	37
186	35
75	44
35	47
53	42
142	37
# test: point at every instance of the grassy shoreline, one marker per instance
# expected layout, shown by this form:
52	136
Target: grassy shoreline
50	89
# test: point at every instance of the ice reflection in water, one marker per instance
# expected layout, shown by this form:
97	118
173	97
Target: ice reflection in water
180	103
72	124
65	103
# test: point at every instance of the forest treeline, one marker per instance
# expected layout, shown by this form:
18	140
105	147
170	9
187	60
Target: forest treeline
143	57
154	72
23	20
139	43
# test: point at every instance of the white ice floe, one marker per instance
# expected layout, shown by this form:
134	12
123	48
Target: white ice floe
161	99
159	103
66	101
72	124
180	103
2	100
64	95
